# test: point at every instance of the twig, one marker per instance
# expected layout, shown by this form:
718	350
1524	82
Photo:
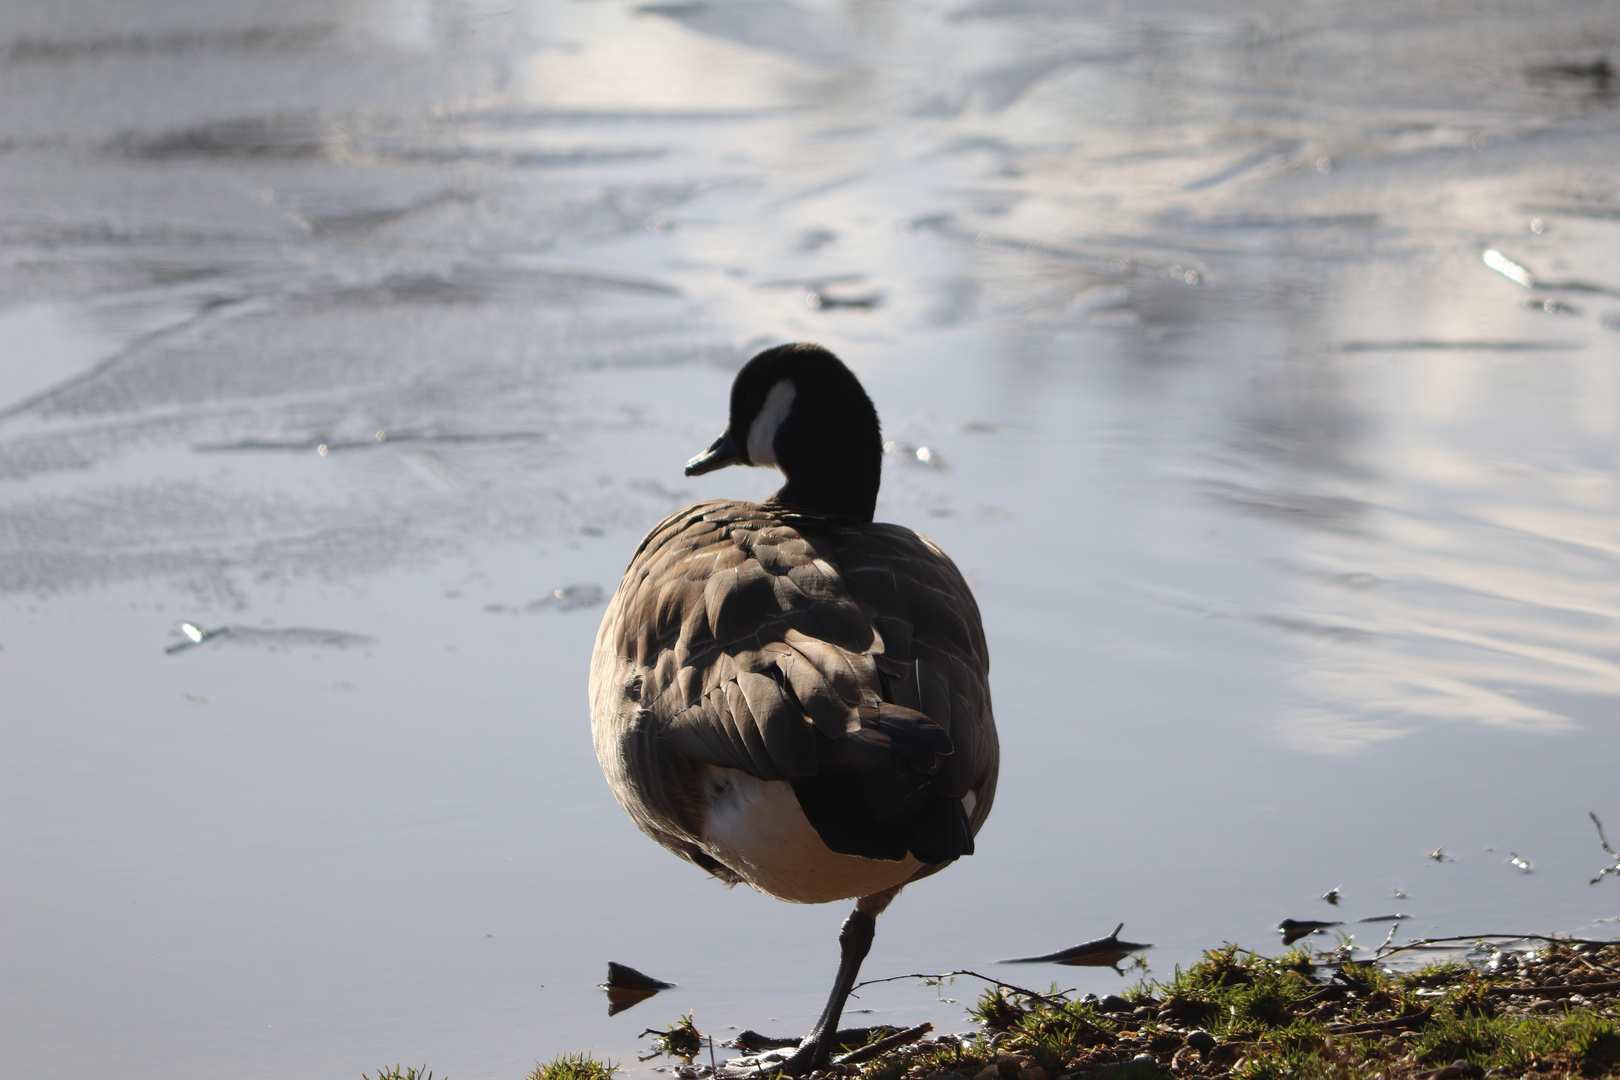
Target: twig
1381	1025
1604	840
883	1046
1596	967
1562	990
1424	942
1057	1000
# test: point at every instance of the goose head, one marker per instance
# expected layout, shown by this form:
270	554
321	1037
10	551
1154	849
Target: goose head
799	410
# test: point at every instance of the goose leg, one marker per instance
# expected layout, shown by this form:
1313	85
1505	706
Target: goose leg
854	940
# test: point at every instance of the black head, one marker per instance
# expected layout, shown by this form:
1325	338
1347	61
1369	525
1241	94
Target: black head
799	409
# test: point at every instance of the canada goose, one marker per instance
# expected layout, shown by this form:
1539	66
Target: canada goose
787	694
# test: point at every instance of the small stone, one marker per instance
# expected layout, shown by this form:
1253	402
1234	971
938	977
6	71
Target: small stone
1458	1070
1114	1003
1034	1072
989	1072
1139	1058
1541	1005
1201	1040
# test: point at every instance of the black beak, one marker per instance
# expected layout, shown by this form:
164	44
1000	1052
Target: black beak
724	452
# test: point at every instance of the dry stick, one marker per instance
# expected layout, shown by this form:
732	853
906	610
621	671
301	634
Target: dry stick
883	1046
1058	1000
1421	943
1596	967
1604	840
1381	1025
1563	990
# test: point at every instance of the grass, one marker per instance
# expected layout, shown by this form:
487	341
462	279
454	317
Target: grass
1238	1015
573	1067
682	1040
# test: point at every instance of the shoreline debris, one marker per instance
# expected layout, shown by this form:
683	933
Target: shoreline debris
1613	868
626	987
1294	929
1099	952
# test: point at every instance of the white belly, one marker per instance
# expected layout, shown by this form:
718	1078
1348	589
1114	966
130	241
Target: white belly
757	828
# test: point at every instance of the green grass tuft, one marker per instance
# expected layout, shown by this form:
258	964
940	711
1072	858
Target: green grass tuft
1239	1015
401	1072
681	1039
573	1067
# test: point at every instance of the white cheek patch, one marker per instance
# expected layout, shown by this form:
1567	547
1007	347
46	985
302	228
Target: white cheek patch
762	432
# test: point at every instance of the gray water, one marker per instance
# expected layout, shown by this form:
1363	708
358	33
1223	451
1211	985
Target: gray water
377	332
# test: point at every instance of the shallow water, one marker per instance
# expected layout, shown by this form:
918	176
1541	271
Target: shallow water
365	328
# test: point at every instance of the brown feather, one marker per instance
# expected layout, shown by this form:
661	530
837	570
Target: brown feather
760	638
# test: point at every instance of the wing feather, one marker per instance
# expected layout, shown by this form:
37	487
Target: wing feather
794	647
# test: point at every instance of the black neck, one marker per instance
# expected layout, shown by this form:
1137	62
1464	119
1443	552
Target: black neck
829	446
835	496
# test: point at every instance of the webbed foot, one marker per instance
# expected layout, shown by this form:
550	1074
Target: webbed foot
814	1053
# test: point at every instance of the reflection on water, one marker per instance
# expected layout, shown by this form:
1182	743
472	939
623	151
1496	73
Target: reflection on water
1258	364
1455	567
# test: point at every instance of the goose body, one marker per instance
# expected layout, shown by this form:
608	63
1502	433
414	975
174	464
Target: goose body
788	694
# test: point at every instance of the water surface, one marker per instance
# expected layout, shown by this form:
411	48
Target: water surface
379	333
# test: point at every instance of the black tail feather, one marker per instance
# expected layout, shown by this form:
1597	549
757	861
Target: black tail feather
933	827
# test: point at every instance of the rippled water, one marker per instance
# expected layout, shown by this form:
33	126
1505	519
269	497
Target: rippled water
377	333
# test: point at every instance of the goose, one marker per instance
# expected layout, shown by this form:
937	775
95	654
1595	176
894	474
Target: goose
788	694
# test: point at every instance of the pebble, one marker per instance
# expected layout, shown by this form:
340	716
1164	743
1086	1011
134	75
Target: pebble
1005	1065
1457	1070
1201	1040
